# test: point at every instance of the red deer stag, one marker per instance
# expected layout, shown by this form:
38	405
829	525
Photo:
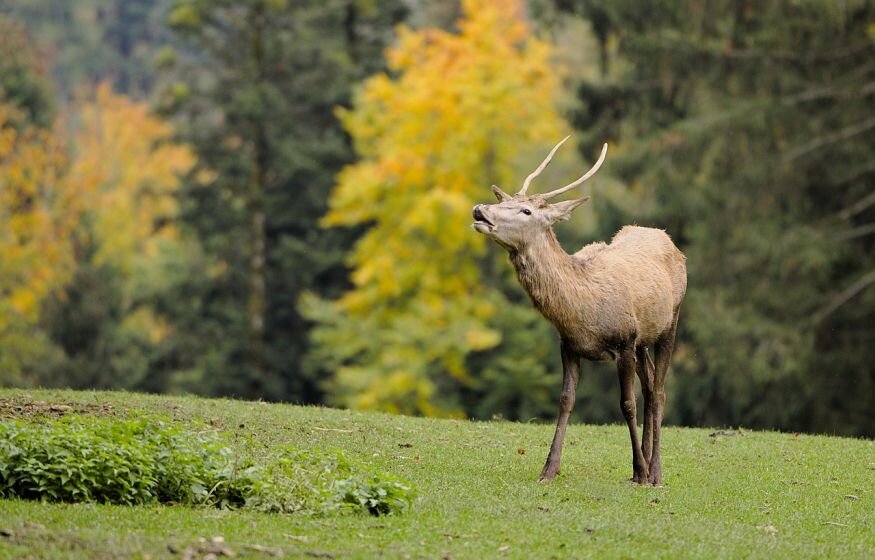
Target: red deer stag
608	302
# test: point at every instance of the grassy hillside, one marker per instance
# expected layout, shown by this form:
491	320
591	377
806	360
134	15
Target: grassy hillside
752	495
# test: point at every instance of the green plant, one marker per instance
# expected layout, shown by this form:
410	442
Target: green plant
80	459
143	461
324	483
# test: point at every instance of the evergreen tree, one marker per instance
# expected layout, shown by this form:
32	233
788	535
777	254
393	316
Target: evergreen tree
746	130
257	83
88	42
24	89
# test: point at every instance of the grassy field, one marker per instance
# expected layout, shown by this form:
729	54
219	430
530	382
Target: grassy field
729	495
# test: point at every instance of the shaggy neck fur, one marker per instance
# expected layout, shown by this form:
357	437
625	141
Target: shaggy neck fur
548	274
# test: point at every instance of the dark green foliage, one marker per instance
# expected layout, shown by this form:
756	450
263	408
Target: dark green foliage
89	41
747	132
517	379
255	85
145	461
22	83
85	322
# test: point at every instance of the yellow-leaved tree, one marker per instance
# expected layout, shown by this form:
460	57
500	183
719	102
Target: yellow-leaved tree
455	113
90	216
35	256
125	170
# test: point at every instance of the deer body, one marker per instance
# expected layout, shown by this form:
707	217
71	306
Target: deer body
608	302
605	295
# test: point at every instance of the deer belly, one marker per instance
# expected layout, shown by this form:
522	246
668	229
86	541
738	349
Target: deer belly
591	346
599	355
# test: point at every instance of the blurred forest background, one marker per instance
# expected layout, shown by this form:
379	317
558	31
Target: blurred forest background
271	198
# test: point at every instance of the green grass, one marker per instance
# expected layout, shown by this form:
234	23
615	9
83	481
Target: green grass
757	495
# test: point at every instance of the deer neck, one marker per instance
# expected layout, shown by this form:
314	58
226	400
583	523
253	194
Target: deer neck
548	274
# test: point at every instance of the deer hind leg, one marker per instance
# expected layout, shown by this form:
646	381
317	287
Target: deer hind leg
626	373
570	376
663	348
644	367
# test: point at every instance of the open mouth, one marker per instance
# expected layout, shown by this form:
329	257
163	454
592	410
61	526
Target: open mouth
481	223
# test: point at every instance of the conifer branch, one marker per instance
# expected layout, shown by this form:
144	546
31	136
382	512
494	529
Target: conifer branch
843	297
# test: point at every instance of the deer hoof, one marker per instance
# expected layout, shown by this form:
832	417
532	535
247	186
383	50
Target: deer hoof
641	478
548	474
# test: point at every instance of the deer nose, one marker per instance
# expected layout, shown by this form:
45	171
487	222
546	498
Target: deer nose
478	214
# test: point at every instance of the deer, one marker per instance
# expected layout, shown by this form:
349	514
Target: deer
608	302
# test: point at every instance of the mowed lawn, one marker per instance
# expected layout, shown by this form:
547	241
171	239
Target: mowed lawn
729	495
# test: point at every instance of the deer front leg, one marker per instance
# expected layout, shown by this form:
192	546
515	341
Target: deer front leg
626	372
570	376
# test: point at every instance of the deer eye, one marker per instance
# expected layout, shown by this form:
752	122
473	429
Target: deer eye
526	211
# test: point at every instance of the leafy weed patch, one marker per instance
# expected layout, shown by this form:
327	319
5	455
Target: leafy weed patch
152	460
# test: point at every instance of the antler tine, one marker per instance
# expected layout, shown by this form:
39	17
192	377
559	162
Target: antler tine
541	167
585	176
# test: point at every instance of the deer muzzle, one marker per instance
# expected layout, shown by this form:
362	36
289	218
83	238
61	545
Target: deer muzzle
481	222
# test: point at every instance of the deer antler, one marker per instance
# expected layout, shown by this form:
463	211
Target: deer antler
541	167
583	178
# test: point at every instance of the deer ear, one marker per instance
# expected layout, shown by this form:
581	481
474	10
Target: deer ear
562	210
500	194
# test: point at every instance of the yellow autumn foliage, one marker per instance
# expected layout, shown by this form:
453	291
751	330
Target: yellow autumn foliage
126	172
35	250
34	230
111	187
450	117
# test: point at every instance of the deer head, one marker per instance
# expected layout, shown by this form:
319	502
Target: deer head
516	219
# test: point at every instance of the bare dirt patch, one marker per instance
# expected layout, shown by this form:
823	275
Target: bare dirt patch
23	408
